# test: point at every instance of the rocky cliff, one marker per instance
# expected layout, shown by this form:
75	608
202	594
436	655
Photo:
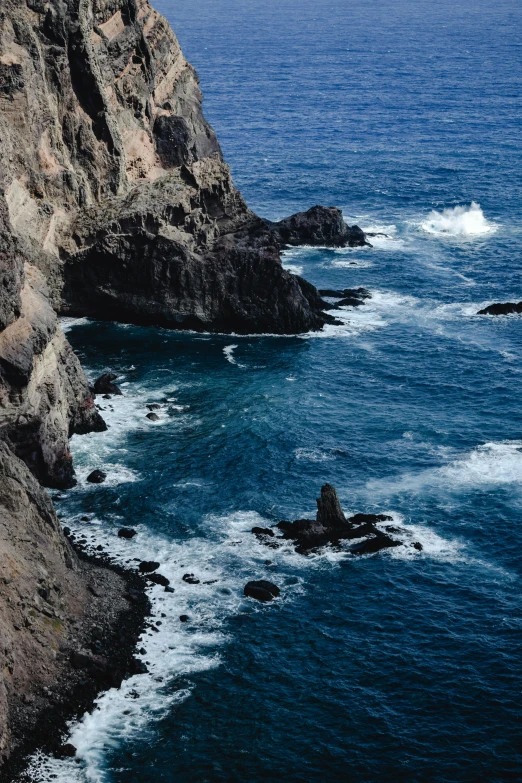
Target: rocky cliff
115	203
115	182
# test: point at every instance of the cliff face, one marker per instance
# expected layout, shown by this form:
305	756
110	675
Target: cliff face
115	182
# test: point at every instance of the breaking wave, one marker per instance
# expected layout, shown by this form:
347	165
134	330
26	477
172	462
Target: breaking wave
458	222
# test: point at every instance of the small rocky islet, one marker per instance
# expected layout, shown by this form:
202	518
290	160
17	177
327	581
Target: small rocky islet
331	527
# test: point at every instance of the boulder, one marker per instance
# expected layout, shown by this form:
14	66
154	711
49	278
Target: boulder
190	579
96	477
507	308
169	589
126	532
261	590
148	566
154	406
184	618
105	384
153	416
158	579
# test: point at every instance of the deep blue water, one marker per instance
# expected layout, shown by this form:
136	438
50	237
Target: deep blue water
395	667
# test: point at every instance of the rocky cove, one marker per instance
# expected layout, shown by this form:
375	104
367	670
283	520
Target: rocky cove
115	204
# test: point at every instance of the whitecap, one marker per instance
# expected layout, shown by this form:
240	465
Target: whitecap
229	355
490	465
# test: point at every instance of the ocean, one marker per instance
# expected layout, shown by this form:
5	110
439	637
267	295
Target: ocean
400	666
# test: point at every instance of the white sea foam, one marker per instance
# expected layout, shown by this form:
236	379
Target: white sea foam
229	355
491	465
375	313
69	323
458	222
295	269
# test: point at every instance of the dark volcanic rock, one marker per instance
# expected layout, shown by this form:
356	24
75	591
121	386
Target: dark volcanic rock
158	579
263	531
329	511
502	309
262	590
190	579
331	526
105	384
126	532
153	416
148	566
96	477
319	226
374	544
354	293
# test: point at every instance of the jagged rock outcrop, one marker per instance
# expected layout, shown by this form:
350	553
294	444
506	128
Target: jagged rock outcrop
319	227
116	185
331	526
44	395
502	308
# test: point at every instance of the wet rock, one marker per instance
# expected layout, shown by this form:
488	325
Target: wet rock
261	590
154	406
375	544
331	527
126	532
105	384
153	417
158	579
319	226
169	589
329	511
190	579
67	751
263	531
138	667
184	618
354	293
96	477
506	308
418	546
148	566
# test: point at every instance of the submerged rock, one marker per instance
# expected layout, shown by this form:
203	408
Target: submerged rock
261	590
506	308
105	384
96	477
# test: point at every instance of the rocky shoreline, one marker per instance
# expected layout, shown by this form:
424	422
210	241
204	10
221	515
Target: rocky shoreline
99	656
115	203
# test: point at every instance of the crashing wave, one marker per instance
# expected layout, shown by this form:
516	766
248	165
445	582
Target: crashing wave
458	222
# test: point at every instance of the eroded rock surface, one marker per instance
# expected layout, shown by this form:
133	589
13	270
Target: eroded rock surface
331	527
116	186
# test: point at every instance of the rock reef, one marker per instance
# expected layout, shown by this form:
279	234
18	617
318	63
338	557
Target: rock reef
331	526
502	308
